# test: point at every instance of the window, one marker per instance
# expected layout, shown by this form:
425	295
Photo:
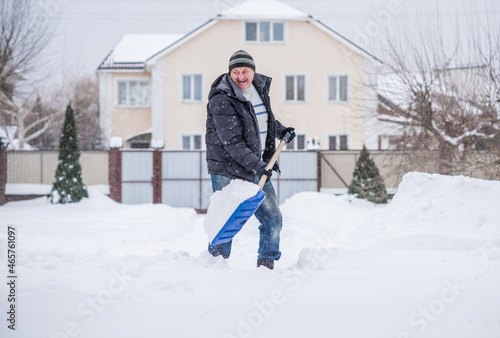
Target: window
264	31
251	31
141	141
332	143
191	87
298	143
338	142
191	142
295	87
337	88
140	144
133	93
278	31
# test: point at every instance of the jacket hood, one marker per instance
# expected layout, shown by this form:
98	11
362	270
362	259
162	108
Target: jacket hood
224	84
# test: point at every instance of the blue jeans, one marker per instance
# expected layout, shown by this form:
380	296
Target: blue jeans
269	216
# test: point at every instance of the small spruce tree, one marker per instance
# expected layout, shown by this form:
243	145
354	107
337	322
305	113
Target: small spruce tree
68	186
366	180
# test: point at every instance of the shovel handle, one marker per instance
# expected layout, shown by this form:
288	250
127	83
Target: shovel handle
271	163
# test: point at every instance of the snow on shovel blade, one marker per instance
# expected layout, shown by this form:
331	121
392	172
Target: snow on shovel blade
230	208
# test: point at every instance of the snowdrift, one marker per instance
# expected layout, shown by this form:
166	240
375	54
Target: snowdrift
425	265
433	211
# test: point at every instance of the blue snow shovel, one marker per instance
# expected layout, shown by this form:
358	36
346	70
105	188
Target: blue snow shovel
228	212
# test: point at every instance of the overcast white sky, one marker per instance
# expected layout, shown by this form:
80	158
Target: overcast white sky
87	30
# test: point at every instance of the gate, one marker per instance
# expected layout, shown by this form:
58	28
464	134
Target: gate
137	177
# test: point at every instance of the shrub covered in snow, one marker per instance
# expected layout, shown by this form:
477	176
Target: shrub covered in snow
366	180
68	186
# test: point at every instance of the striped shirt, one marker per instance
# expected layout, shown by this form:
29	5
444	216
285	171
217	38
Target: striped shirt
253	96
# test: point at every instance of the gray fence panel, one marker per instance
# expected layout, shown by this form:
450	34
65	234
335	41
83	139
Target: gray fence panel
206	185
299	172
181	165
137	193
288	188
185	182
299	165
185	194
204	169
137	173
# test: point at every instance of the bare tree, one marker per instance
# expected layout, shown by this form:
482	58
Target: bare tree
24	33
30	120
441	93
85	100
83	93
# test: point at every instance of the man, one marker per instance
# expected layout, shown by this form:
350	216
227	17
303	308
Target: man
240	139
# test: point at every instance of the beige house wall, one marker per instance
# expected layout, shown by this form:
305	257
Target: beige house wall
207	54
129	122
307	50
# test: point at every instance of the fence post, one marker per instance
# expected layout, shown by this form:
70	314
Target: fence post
157	175
115	174
318	168
3	171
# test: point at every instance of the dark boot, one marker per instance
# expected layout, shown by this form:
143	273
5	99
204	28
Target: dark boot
267	263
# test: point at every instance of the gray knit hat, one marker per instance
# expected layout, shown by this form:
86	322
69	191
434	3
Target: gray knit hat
241	59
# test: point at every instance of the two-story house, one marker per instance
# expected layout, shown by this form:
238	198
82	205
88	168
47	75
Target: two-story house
154	88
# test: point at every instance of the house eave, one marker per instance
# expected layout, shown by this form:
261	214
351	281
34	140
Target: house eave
345	40
117	70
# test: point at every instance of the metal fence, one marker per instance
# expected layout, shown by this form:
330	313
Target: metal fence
180	178
184	179
40	167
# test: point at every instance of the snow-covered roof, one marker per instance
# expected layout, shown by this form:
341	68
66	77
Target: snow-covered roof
137	51
139	47
465	82
134	49
263	9
392	88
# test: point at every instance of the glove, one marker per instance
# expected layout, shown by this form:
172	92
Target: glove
291	134
263	171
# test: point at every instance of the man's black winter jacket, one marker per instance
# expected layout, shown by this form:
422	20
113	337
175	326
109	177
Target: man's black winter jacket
232	136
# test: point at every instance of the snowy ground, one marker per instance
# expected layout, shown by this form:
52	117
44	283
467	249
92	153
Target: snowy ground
426	265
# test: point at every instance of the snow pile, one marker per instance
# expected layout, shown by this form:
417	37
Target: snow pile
431	211
116	142
425	265
322	220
